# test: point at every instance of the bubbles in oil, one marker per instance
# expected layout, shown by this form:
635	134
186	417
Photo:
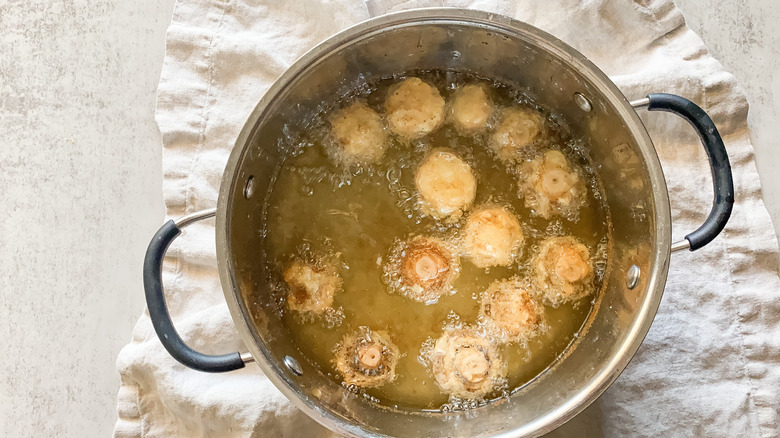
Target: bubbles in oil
425	351
405	199
453	321
465	405
333	318
600	258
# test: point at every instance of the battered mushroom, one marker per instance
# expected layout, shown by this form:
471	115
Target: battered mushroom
518	128
414	108
312	286
366	358
492	237
422	268
511	312
563	270
551	186
471	108
466	364
446	184
358	134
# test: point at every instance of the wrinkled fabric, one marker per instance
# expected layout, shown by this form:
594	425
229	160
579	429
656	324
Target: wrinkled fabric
709	365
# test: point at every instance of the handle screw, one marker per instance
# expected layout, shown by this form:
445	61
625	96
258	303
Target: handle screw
632	277
583	102
293	365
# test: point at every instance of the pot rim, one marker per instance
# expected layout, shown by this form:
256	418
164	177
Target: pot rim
496	22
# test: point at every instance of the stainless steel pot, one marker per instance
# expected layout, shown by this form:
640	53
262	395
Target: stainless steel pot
555	75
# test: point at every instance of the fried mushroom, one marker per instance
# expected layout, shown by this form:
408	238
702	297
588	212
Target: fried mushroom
446	184
366	358
312	286
466	364
517	129
358	135
492	237
422	268
563	270
414	108
471	108
550	185
511	312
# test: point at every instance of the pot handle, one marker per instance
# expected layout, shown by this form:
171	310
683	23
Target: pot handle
158	310
722	181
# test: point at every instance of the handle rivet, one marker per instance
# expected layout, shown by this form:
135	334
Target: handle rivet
632	277
249	187
583	102
293	365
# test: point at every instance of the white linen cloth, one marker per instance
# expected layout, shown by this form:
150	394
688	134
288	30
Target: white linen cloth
709	366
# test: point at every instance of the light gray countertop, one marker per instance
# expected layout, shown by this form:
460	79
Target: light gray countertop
80	183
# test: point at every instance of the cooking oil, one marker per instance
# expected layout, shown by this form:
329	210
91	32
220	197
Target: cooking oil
355	216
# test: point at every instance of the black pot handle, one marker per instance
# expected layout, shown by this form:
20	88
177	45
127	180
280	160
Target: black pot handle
158	310
719	164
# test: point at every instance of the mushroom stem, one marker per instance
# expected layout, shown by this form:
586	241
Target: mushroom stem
472	365
554	182
370	356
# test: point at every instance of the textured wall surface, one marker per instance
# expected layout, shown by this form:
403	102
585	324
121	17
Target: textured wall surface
80	187
743	35
80	190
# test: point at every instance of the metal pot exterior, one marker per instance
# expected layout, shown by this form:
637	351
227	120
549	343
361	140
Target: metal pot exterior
556	76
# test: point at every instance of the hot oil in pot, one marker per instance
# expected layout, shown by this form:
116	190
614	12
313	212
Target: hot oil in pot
347	225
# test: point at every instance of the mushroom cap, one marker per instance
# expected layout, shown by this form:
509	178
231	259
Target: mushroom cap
471	108
517	129
312	286
511	311
492	236
414	108
445	183
359	135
